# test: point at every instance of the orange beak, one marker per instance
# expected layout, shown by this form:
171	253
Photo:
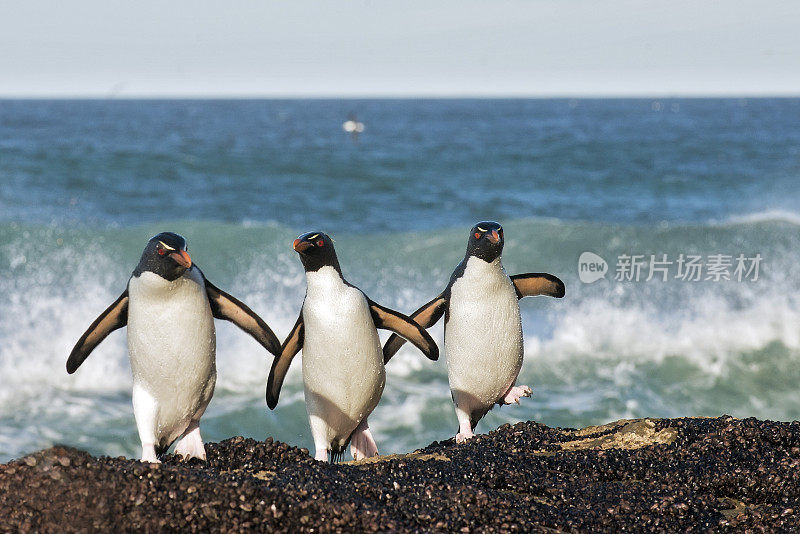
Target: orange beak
494	237
182	258
300	246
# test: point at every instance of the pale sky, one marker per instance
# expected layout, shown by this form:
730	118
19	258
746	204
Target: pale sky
259	48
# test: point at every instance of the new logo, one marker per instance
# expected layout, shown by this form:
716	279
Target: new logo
591	267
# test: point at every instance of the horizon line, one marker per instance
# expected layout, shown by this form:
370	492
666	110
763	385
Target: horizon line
398	96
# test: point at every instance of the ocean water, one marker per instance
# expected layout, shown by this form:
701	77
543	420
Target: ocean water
84	184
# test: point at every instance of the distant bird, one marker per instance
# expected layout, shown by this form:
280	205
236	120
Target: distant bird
169	308
343	373
353	127
483	328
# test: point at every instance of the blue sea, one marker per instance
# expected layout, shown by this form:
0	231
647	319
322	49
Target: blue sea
643	182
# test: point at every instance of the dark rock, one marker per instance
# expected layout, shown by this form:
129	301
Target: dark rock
692	474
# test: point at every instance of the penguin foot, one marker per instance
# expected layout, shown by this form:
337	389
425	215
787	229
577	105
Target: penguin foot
362	444
461	437
191	444
149	454
465	425
321	455
515	393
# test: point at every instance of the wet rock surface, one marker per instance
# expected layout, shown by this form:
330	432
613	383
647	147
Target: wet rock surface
666	475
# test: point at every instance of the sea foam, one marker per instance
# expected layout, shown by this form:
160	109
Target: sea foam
607	350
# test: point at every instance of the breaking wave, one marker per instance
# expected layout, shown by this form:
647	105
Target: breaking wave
609	349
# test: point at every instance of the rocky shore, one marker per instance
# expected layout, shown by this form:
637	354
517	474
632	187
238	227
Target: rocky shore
645	475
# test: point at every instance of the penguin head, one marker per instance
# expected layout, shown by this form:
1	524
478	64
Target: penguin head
486	241
316	251
166	256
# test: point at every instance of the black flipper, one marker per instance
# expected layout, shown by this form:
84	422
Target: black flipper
534	284
406	327
280	365
426	317
229	308
114	317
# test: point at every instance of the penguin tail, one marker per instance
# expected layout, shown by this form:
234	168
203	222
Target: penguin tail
338	448
476	416
161	450
337	453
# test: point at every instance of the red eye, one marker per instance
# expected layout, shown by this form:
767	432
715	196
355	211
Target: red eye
320	243
161	252
477	235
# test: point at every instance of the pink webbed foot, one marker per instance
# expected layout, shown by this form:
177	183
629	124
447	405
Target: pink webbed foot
464	426
461	437
515	393
362	444
191	444
149	454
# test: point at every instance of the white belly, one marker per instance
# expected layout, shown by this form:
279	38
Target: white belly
483	336
172	346
343	373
